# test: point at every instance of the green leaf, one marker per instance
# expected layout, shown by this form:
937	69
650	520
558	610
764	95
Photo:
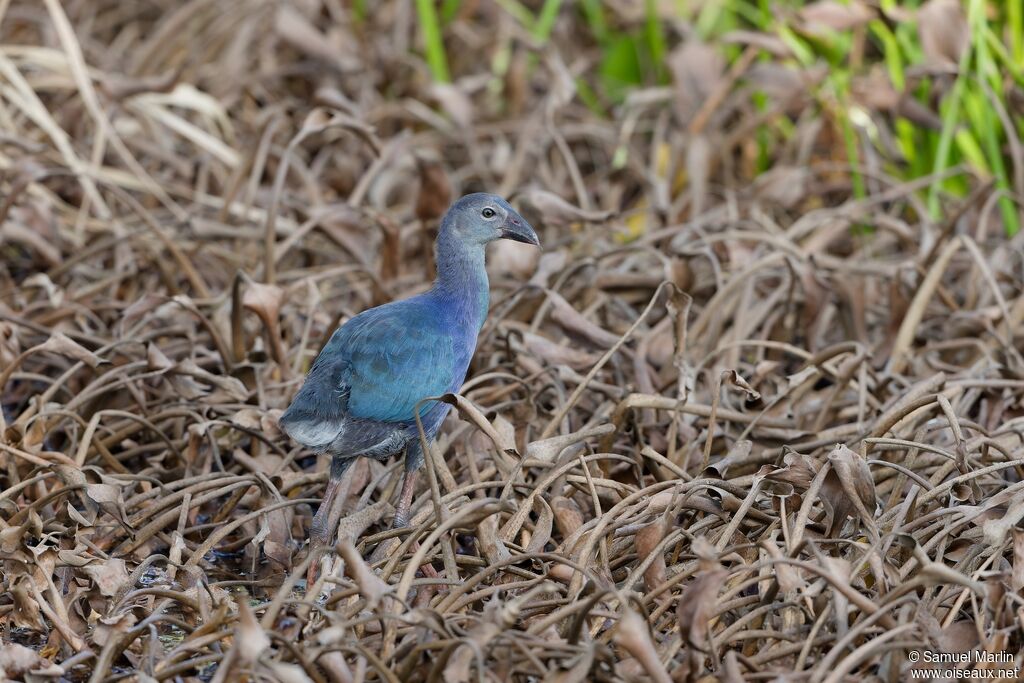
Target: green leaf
546	20
655	41
890	52
620	66
433	44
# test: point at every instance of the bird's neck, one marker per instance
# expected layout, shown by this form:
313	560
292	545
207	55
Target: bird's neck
461	282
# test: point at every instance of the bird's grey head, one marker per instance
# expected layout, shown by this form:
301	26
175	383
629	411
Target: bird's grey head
480	218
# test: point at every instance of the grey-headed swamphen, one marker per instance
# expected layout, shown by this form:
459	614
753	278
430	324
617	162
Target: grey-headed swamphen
359	396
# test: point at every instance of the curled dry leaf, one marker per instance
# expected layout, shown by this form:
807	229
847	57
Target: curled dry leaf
251	641
231	386
371	587
799	470
633	635
542	528
18	662
294	27
734	379
288	673
550	263
697	603
944	33
110	576
24	228
647	540
996	529
1017	577
490	544
26	609
503	443
458	667
830	15
547	450
108	628
849	489
784	185
513	259
697	68
578	672
568	516
110	500
576	324
305	142
558	354
555	210
455	102
61	344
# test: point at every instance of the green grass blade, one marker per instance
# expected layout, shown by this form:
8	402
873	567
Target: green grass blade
950	123
594	14
449	8
546	20
433	44
1015	28
655	40
518	11
890	52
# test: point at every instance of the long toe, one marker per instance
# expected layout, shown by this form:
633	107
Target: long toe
317	550
325	522
312	573
318	545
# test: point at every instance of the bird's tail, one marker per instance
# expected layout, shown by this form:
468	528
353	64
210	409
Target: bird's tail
315	418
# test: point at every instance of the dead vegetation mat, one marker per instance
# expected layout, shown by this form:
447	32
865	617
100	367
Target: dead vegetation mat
723	426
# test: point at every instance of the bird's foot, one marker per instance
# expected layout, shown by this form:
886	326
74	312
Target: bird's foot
313	571
322	530
401	520
319	543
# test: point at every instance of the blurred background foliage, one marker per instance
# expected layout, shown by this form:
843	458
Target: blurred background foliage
196	192
915	89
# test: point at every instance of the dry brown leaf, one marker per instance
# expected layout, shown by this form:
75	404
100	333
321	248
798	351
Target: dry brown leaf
26	609
17	662
542	528
697	603
110	575
60	344
831	15
568	516
251	641
576	324
559	354
944	33
647	540
697	68
633	635
557	211
370	585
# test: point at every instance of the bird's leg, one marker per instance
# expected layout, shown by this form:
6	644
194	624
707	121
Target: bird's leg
413	462
405	499
325	522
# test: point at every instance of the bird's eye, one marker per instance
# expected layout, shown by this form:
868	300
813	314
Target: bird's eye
488	212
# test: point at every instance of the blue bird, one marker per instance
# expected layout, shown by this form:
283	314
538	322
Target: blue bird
359	396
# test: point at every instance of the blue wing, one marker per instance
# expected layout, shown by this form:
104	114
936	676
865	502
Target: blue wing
395	356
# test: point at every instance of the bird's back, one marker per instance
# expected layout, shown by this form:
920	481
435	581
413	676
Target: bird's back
360	395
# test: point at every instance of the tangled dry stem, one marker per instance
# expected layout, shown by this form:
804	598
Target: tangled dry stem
719	428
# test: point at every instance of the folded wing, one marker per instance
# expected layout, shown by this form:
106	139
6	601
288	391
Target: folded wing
375	369
396	355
